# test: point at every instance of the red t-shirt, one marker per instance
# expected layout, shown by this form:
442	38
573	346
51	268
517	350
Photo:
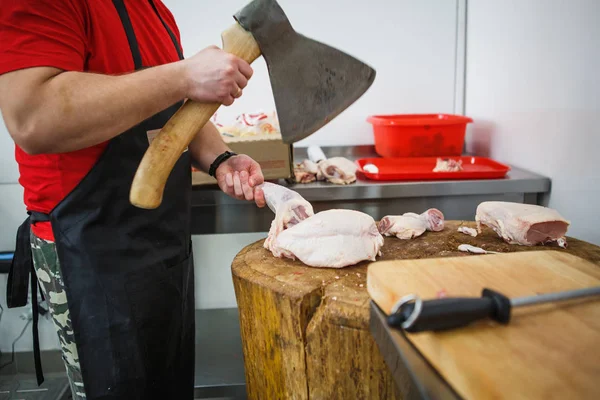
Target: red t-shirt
75	35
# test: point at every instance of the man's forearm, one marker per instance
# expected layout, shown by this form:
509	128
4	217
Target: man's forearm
206	146
74	110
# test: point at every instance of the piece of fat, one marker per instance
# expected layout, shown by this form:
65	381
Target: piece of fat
468	231
467	248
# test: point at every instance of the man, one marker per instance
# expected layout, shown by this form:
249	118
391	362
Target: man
82	86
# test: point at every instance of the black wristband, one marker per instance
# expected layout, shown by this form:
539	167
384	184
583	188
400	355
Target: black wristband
218	161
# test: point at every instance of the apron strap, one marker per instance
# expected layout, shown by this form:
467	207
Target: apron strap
169	31
21	269
130	33
133	44
22	263
18	275
39	374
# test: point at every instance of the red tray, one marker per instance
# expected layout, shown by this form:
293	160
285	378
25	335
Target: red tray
421	168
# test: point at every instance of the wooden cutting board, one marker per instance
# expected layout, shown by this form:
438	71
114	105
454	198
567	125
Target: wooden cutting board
548	351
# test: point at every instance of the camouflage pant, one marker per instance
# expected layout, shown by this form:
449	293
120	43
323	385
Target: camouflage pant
45	260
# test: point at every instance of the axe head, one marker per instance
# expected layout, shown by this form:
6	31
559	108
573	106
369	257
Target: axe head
312	83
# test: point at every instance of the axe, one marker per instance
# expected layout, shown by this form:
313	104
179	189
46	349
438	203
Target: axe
312	83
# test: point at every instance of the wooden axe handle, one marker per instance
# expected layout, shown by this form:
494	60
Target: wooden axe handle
166	148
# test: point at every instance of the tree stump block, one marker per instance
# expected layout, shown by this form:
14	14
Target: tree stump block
305	331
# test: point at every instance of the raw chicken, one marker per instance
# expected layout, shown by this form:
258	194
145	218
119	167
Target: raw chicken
523	224
289	207
371	168
468	231
448	165
331	239
337	170
467	248
306	171
411	225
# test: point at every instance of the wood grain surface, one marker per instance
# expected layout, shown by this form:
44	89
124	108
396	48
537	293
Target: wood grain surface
548	351
305	331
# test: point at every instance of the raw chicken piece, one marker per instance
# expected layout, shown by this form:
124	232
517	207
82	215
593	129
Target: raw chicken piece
467	248
371	168
448	165
338	170
306	171
522	224
411	225
289	207
468	231
331	239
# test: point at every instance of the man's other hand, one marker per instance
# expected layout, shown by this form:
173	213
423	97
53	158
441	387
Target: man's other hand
239	177
215	76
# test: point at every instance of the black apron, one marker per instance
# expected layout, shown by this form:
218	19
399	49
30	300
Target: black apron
128	272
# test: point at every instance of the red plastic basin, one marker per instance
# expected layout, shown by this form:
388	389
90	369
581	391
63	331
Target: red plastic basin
419	135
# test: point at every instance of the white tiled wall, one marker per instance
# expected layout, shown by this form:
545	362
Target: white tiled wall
12	214
533	88
411	45
9	172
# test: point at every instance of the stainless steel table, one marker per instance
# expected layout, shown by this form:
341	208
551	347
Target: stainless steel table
215	212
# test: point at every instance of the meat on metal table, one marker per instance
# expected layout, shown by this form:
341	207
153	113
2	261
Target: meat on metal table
214	212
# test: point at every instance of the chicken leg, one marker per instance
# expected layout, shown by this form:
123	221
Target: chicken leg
337	170
289	207
410	225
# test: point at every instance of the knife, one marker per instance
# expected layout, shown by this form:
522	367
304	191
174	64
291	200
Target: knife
412	314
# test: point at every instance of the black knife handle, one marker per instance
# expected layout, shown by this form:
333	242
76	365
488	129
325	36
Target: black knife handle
454	312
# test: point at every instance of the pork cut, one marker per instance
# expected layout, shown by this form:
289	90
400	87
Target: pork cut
289	207
523	224
411	225
331	239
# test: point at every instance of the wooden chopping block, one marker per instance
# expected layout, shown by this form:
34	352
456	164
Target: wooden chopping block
305	331
546	351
